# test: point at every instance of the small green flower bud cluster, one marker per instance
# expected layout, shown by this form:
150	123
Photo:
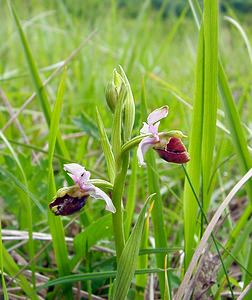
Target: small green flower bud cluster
113	90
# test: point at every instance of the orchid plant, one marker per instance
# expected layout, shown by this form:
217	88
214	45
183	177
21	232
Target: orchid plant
168	145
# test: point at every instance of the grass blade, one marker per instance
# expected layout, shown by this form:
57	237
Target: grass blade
131	197
26	216
96	231
194	165
208	232
109	156
4	290
210	25
128	259
38	84
234	122
142	263
243	34
55	224
12	269
92	276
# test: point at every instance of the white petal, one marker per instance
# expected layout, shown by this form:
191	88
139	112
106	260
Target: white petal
154	129
99	194
144	145
157	114
74	169
145	129
79	173
157	125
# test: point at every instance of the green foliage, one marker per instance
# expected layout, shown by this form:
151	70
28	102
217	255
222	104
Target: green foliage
154	40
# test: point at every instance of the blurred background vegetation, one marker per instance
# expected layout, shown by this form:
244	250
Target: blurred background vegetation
152	40
155	42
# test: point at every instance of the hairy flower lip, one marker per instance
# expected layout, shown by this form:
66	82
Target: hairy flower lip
67	204
173	157
75	196
174	151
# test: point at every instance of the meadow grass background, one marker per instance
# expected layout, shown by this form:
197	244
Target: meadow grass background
161	50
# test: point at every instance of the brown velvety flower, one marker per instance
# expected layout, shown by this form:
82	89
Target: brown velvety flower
67	205
69	200
174	151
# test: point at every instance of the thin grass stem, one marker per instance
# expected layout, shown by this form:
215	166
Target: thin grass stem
212	235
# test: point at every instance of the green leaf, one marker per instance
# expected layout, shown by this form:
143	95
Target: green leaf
128	260
91	276
23	187
109	156
210	27
131	197
87	125
12	269
4	290
37	82
26	212
55	223
202	135
96	231
237	135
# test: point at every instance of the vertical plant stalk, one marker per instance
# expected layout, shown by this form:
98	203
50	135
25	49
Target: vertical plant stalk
125	103
121	166
142	263
204	124
26	218
37	82
3	287
55	223
117	195
210	24
237	134
194	165
128	261
131	196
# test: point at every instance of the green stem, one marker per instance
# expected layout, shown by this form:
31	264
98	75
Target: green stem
117	195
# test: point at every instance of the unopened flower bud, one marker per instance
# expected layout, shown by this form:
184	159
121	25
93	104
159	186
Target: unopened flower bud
113	90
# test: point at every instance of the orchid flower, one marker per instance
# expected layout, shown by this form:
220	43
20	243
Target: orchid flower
72	199
174	151
151	127
171	150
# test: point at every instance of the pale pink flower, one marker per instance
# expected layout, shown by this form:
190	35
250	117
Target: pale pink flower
151	127
81	178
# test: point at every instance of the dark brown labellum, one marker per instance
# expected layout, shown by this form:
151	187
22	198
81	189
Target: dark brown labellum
174	152
67	205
